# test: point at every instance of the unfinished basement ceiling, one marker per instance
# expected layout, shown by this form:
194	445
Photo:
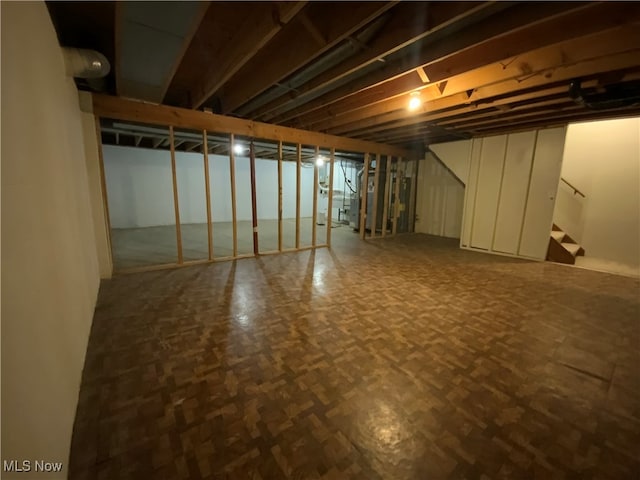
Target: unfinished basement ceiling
350	68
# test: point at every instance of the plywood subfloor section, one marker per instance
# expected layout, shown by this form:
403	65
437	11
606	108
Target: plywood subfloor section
402	358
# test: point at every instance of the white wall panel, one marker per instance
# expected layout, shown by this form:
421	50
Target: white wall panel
470	192
510	192
486	204
440	199
513	194
545	176
455	155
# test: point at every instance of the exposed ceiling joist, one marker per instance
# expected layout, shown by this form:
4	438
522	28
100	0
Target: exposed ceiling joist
291	49
568	60
261	23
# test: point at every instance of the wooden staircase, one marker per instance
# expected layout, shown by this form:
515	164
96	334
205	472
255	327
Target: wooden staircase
562	248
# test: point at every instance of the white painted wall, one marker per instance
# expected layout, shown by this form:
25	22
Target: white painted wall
455	155
440	199
602	159
140	190
50	271
100	224
510	194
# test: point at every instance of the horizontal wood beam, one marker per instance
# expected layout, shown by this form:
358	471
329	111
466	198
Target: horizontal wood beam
557	120
407	18
254	33
544	64
520	21
290	51
123	109
397	111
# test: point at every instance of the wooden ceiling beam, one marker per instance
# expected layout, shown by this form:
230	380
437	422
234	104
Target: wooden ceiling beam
459	123
406	19
509	117
466	119
543	64
595	18
401	134
290	49
556	120
480	96
541	67
262	23
521	21
122	109
465	108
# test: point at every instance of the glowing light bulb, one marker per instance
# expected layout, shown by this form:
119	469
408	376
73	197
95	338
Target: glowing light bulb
415	101
237	148
320	161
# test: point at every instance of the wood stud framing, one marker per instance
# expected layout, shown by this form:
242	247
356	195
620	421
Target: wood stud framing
314	214
232	175
280	196
207	187
330	202
176	205
186	122
374	206
385	205
298	186
254	203
396	196
363	196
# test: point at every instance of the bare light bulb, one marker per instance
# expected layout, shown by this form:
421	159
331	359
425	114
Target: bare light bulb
415	101
320	162
238	149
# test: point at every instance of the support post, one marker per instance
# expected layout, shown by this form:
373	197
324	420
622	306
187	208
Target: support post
314	215
396	195
363	196
374	214
385	204
232	175
280	196
207	189
330	203
176	205
254	206
298	182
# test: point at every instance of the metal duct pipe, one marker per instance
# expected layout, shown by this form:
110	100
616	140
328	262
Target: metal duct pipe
84	63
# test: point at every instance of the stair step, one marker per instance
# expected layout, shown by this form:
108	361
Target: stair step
572	248
559	236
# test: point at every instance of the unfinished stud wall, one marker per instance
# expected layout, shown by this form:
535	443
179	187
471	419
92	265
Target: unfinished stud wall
139	187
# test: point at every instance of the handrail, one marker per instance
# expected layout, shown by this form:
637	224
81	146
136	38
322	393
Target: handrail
575	190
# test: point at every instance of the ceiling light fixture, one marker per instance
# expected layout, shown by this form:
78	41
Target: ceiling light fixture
320	161
238	149
414	101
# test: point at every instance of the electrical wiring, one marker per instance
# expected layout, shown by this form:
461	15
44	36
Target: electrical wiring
347	182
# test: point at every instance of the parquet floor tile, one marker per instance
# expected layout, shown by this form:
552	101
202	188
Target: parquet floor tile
402	358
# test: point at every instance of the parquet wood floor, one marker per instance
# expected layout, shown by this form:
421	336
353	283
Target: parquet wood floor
402	358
